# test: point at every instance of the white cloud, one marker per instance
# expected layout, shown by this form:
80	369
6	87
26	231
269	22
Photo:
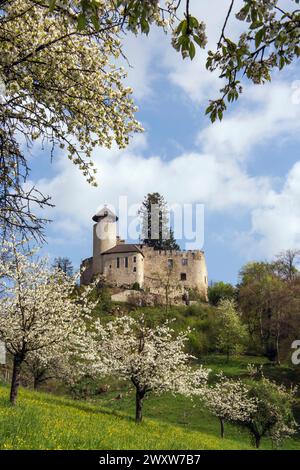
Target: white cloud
216	175
276	223
199	84
192	77
152	57
268	116
190	177
141	54
267	113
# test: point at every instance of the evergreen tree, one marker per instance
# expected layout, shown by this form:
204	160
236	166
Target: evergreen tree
155	223
63	264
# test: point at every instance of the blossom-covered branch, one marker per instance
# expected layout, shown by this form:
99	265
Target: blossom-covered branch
153	359
40	311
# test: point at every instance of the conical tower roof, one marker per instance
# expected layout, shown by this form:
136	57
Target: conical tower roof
105	213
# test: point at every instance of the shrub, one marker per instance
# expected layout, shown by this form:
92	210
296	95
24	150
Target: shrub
274	416
219	291
195	294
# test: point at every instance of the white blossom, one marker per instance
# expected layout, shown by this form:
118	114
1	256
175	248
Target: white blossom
151	358
40	311
228	400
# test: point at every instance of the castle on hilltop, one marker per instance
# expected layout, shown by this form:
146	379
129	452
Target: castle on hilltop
126	264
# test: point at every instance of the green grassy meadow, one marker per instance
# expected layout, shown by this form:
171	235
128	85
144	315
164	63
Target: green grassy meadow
48	421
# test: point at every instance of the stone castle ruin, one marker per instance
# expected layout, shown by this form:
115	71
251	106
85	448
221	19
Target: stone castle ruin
125	264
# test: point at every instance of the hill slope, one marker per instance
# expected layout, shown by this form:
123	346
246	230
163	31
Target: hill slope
44	421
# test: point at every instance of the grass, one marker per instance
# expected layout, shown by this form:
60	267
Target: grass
47	421
235	367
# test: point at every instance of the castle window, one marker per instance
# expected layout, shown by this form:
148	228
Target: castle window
134	269
170	263
134	259
126	262
118	262
183	276
184	261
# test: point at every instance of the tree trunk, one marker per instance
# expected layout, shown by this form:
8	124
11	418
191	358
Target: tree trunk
277	346
139	406
15	382
262	336
257	441
36	383
222	427
38	378
167	300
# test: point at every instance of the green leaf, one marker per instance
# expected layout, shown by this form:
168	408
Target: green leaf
52	4
253	15
185	43
208	63
183	26
209	109
95	22
198	41
281	62
246	9
192	50
193	22
259	37
213	115
145	28
231	45
256	25
81	21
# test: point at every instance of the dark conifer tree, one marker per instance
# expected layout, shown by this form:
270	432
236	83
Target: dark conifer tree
64	264
155	223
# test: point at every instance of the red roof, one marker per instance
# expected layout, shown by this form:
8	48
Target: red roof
123	248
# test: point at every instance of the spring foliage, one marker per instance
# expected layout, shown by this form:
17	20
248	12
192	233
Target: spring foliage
61	86
151	358
41	317
229	401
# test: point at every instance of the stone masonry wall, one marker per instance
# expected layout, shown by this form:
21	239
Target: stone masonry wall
188	271
122	275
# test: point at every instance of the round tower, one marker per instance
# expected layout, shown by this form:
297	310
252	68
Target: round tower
104	235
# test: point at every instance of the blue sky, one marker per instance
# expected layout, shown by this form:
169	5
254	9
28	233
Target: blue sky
245	170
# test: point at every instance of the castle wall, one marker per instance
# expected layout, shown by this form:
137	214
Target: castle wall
188	271
147	270
122	275
188	267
